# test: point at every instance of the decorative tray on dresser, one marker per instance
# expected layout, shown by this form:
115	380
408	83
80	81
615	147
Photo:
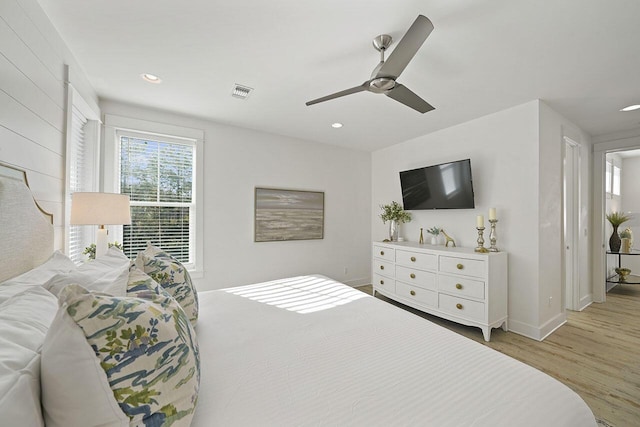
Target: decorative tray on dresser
457	284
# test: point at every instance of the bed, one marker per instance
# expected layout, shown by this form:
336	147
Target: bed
298	351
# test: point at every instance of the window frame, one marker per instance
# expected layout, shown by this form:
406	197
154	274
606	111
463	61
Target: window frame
115	126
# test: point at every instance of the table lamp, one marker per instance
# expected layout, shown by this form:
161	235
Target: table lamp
100	209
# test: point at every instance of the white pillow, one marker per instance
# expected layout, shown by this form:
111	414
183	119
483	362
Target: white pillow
57	263
114	258
107	356
105	283
24	320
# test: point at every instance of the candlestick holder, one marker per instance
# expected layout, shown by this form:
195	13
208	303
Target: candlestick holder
481	247
493	236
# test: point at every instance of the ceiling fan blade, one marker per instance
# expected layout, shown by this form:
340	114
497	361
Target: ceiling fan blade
345	92
402	94
407	48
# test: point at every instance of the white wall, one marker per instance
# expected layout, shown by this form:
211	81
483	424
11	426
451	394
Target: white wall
236	161
503	148
33	102
516	160
553	128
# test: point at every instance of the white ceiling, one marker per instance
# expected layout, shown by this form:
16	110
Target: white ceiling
580	56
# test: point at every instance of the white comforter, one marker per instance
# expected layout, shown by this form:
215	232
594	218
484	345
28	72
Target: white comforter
311	351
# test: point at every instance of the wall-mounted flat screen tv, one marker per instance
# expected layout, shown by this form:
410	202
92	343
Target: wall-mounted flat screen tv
445	186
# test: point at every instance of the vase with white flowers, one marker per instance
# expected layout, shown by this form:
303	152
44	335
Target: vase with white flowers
395	214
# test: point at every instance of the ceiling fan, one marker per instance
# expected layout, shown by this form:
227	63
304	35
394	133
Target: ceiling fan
383	78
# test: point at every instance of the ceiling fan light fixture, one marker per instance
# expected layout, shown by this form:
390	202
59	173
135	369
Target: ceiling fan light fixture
240	91
151	78
631	108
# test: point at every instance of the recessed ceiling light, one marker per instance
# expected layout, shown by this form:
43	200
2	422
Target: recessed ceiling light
631	108
151	78
336	125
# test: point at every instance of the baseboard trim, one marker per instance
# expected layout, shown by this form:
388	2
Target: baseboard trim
552	325
538	333
585	302
354	283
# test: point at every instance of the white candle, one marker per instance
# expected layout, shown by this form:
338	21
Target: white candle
480	221
492	213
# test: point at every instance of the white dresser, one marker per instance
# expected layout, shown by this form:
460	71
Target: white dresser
457	284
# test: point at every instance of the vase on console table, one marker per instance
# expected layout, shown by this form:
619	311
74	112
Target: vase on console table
614	240
393	230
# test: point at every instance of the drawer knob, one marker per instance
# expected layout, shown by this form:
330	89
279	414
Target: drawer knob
459	266
413	293
458	286
459	306
382	267
382	282
413	276
413	259
381	252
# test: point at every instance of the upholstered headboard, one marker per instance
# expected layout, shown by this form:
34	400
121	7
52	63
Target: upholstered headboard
26	231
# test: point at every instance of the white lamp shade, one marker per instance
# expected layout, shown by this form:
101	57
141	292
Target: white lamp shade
100	209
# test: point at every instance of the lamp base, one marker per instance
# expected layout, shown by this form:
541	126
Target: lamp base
101	242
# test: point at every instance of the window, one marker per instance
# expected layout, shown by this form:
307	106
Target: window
615	188
159	165
158	176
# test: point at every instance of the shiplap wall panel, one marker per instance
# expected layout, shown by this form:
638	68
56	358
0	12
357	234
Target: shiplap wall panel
19	87
33	102
21	120
24	27
18	53
18	150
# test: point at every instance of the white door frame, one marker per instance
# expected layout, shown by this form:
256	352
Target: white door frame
571	223
603	145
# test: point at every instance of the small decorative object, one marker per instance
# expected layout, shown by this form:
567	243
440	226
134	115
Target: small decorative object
435	232
448	239
421	241
616	219
90	250
394	213
627	234
625	246
492	236
622	274
480	228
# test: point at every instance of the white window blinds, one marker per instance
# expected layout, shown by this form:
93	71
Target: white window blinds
158	176
79	180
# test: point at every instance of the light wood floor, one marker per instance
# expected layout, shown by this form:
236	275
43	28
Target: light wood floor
596	353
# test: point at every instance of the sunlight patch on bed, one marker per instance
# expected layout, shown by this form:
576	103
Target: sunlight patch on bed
300	294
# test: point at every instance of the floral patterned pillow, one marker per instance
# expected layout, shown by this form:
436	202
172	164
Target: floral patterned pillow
172	276
146	347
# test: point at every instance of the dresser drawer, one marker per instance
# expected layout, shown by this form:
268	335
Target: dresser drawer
472	310
420	295
417	260
382	282
384	253
461	286
423	279
384	268
468	267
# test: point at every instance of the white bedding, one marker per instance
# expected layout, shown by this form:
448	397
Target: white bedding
311	351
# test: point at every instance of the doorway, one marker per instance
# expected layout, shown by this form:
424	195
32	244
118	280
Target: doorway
571	223
600	238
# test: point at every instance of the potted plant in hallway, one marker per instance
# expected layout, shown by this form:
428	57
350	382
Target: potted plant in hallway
616	219
394	213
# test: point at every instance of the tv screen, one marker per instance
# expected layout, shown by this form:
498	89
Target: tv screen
445	186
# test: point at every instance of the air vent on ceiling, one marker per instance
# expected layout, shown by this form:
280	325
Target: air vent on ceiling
240	91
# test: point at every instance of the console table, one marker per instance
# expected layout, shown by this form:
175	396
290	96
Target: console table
632	279
457	284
